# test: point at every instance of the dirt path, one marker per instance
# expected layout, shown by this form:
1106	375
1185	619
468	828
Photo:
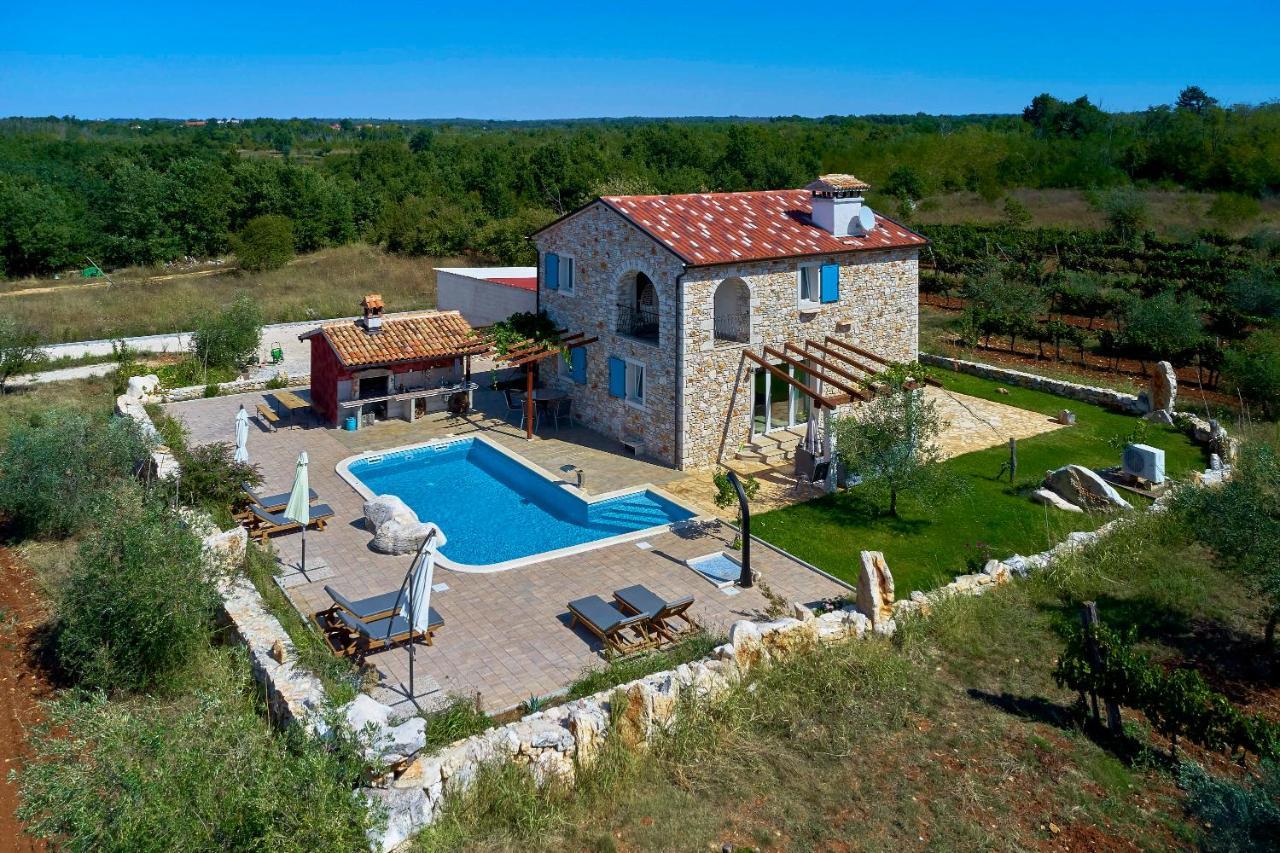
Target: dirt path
21	688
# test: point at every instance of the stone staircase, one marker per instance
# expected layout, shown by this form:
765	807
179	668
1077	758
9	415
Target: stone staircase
772	450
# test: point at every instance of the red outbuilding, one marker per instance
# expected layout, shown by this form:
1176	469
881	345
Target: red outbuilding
375	368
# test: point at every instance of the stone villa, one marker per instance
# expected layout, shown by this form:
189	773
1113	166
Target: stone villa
716	311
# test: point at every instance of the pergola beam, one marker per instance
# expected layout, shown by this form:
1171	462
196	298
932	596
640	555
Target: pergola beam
836	383
844	356
790	380
826	365
859	351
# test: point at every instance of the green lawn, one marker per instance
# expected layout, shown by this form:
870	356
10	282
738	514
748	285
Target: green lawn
925	548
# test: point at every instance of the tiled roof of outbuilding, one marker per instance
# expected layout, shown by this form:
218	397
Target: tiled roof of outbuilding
723	228
443	334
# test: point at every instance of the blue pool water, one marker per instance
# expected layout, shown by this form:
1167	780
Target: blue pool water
493	509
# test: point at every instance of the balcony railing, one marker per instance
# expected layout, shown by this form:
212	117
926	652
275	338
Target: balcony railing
638	323
732	329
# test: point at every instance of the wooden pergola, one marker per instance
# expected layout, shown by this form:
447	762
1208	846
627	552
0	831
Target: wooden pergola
529	352
835	362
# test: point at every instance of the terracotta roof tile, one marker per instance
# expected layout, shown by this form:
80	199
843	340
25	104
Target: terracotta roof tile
443	334
836	182
720	228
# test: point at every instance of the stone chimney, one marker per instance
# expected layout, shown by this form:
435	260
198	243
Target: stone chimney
372	305
838	207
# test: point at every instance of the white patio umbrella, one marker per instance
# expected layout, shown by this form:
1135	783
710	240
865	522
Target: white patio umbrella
299	507
242	436
414	601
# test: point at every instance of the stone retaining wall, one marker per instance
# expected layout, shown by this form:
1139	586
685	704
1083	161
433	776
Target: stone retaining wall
1108	397
239	386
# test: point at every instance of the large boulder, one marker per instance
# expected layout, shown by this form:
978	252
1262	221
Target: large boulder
1052	498
875	589
142	387
1164	387
405	811
1084	488
395	527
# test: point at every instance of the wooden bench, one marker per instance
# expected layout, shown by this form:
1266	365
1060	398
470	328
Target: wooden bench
267	418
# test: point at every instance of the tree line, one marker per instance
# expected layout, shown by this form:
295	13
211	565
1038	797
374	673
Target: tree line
147	192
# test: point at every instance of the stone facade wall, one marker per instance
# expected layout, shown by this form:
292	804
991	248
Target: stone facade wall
607	252
878	310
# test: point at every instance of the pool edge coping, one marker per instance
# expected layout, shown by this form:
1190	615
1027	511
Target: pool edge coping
343	470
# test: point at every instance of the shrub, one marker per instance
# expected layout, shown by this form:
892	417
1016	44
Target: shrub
1126	213
56	470
203	771
229	339
1234	208
211	477
1252	369
1235	817
211	390
136	603
19	349
266	243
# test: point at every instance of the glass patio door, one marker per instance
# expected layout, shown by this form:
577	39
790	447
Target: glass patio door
776	404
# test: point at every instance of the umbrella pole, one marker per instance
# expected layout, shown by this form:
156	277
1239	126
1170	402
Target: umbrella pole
304	549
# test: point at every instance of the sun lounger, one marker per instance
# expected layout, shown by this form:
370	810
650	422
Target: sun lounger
619	632
263	524
373	607
360	638
271	503
660	614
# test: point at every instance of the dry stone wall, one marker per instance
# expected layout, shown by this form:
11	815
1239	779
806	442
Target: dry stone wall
1108	397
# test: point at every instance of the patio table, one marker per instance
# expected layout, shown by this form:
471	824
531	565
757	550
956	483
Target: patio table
291	403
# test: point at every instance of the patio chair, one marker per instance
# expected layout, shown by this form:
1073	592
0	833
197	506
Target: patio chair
271	503
359	638
619	632
658	612
374	607
562	409
514	403
263	524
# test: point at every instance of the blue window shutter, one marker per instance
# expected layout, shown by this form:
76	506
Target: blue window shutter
553	271
578	365
830	282
617	377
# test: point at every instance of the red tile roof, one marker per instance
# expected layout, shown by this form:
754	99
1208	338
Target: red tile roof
443	334
525	283
722	228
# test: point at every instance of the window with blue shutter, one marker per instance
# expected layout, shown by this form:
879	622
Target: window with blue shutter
830	282
552	279
617	377
578	365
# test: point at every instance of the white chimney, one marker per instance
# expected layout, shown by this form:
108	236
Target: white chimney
838	208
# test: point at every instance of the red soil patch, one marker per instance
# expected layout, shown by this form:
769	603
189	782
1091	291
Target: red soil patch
22	686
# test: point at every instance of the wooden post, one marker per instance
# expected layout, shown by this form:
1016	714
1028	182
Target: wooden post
528	400
1013	459
1089	618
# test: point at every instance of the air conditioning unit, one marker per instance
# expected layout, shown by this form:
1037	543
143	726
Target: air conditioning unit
1144	461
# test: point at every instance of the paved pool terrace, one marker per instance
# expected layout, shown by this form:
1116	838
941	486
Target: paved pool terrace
506	634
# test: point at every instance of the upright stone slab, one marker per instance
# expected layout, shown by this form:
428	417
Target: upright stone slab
1164	387
875	588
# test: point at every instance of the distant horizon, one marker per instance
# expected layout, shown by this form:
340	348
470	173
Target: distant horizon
580	61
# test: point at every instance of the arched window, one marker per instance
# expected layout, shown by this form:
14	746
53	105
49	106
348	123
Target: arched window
638	307
731	312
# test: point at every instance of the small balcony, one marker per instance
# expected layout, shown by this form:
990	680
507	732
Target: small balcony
639	323
732	330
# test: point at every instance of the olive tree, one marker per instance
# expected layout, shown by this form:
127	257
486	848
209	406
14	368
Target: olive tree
891	442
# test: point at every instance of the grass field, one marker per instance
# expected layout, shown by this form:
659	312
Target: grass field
328	283
951	736
1172	213
925	548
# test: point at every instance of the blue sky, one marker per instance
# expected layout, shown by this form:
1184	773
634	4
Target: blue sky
552	60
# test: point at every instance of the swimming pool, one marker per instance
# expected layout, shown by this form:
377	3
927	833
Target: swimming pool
496	510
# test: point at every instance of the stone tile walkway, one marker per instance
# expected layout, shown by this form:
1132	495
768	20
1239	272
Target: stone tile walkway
506	635
971	424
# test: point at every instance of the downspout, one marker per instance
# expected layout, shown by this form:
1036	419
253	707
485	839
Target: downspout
679	395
